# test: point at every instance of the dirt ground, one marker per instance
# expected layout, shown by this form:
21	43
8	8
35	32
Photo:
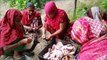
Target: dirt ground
3	8
67	5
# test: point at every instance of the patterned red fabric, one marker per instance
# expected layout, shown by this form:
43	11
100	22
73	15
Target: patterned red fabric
97	27
26	20
9	30
86	31
93	50
53	24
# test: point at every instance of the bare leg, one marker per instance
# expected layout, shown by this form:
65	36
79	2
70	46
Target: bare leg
16	56
24	41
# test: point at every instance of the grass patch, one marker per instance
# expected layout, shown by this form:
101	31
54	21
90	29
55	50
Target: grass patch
82	7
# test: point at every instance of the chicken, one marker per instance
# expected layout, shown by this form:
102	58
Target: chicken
68	49
58	51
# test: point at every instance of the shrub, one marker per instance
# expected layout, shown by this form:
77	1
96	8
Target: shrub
21	4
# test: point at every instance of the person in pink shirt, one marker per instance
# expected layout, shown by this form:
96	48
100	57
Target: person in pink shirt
91	33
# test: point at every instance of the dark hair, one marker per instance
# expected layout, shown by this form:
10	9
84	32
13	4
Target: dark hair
29	4
89	13
104	16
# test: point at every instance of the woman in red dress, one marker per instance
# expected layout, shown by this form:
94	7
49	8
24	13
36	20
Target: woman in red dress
56	21
31	18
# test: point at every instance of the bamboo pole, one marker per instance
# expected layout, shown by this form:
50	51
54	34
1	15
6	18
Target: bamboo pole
75	7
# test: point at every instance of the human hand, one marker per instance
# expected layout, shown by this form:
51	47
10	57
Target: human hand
30	29
49	37
6	47
43	36
29	39
36	28
23	41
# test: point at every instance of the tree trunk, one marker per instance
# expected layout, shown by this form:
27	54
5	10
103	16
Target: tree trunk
75	8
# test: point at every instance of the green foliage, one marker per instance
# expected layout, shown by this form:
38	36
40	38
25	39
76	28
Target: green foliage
103	5
80	11
39	3
82	8
21	4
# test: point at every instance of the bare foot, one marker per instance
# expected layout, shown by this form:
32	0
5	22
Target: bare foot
16	56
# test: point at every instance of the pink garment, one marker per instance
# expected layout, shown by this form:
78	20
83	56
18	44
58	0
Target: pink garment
81	31
9	30
53	24
92	48
26	20
97	27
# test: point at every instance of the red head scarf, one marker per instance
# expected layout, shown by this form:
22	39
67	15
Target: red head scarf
50	7
9	30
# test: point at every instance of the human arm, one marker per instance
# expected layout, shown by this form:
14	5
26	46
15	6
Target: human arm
22	42
61	29
27	27
44	32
